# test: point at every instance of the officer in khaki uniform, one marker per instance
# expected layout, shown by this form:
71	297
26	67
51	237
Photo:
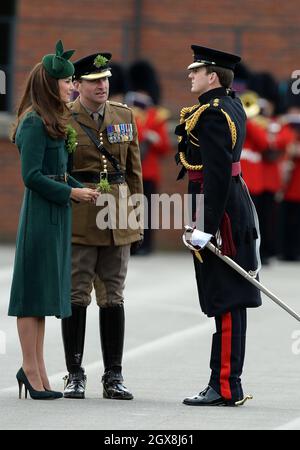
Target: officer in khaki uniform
100	256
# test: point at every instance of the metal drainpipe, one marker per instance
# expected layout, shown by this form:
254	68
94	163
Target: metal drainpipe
137	28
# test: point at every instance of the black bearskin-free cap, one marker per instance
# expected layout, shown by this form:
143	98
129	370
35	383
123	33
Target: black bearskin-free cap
118	81
265	85
143	78
92	67
204	56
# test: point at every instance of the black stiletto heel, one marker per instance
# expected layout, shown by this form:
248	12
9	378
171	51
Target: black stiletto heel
20	388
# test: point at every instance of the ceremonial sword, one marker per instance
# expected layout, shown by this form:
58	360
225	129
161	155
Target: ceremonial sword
199	240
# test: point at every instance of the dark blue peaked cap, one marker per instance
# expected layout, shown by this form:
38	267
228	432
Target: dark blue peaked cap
204	56
93	66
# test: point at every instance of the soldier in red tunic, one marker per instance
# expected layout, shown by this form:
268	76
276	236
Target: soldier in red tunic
278	137
255	143
291	187
152	126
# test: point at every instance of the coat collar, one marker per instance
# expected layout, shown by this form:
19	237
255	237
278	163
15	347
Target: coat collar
109	116
213	93
83	117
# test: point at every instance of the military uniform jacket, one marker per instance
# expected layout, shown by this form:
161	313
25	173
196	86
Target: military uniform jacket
211	139
87	158
42	271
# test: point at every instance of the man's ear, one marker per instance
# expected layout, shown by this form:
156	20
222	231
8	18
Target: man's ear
213	77
76	85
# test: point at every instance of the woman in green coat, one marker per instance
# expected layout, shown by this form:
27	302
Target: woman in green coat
42	271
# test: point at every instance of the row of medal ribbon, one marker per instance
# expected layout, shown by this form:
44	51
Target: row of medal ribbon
122	132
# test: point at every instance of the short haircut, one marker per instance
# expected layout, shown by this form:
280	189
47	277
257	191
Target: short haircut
225	75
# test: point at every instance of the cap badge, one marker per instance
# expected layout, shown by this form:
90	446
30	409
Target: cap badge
100	61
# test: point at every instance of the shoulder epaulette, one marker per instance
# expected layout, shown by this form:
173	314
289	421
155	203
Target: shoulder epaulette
215	102
121	105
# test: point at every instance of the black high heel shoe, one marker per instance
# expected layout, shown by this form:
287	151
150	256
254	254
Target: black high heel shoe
55	394
35	395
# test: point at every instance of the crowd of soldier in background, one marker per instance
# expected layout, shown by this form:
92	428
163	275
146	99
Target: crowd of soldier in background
270	159
139	88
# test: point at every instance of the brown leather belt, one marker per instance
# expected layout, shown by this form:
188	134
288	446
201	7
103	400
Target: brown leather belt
63	178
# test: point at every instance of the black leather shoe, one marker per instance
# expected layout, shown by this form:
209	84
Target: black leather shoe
113	387
75	385
208	397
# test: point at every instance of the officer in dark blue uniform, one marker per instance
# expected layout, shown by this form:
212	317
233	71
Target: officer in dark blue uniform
211	136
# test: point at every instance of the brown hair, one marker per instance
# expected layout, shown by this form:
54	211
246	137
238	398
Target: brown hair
225	75
42	96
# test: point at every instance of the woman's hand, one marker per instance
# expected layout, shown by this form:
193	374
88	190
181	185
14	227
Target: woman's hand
84	195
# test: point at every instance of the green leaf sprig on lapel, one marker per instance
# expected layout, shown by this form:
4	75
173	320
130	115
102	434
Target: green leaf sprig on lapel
71	140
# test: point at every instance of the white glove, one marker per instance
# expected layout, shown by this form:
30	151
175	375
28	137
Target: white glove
200	239
195	238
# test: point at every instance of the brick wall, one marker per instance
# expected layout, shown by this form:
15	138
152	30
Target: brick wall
264	33
11	191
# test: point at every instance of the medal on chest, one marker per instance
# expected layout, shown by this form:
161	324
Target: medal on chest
120	133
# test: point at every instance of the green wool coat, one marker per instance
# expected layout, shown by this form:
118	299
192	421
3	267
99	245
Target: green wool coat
42	272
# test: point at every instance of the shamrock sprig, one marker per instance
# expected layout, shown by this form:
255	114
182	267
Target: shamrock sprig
100	61
71	140
104	186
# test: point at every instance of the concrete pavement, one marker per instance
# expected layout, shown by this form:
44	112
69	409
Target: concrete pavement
166	357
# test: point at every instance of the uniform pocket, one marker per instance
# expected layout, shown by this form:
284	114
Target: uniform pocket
123	154
80	156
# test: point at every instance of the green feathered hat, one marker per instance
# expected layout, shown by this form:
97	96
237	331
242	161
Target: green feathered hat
58	66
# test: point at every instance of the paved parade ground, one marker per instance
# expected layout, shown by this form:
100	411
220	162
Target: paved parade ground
166	357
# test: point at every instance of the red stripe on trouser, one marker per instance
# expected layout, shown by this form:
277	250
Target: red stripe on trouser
226	356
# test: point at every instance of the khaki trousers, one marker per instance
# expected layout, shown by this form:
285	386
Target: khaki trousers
104	268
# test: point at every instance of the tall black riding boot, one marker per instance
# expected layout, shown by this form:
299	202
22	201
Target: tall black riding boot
112	325
73	333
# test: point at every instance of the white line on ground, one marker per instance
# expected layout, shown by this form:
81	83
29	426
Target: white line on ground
170	307
152	346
